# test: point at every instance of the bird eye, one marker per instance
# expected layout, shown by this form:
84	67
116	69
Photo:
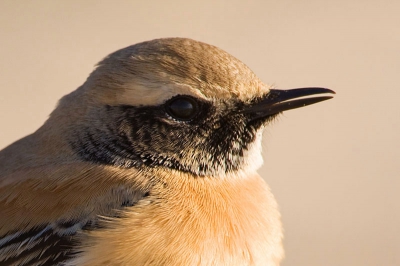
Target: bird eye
182	107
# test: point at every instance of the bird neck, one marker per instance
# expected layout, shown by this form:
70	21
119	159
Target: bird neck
189	220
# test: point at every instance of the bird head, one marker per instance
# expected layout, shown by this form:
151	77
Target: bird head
174	103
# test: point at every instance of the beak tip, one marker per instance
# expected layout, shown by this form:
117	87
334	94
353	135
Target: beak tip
330	91
316	90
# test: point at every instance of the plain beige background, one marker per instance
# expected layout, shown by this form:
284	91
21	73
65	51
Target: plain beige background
334	167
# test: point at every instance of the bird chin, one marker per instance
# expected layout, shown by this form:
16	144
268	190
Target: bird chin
253	159
251	162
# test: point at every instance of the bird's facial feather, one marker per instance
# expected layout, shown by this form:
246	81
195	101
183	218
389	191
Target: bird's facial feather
217	138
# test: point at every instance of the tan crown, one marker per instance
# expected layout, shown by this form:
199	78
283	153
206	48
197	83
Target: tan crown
151	72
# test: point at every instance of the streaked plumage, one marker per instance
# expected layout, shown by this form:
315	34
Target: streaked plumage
152	161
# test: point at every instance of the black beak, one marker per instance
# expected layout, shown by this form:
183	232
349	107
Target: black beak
277	101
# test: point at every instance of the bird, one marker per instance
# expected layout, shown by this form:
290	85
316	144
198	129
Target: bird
152	161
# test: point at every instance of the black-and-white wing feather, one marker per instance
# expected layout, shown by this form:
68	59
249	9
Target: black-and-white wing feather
50	244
